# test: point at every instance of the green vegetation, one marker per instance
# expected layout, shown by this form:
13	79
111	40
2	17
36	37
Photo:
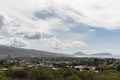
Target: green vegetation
59	69
60	74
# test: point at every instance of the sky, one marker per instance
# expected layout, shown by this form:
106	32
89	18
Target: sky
63	26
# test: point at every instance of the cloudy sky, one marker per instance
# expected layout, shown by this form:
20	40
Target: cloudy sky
65	26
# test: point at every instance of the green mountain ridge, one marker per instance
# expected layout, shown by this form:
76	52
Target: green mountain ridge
8	51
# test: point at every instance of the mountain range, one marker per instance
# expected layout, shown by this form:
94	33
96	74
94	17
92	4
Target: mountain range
8	51
97	54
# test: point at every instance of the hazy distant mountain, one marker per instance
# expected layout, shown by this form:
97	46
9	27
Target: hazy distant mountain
106	54
97	54
20	52
79	53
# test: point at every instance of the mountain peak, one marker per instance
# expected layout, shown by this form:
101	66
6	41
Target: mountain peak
79	53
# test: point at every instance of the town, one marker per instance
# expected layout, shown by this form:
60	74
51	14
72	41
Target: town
85	67
58	62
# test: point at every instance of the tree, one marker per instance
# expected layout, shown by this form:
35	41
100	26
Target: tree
3	77
16	74
73	77
118	68
42	74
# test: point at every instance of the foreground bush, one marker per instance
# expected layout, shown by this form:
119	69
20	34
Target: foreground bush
60	74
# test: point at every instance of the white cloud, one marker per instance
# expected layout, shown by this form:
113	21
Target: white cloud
55	44
92	30
17	19
16	42
19	15
96	13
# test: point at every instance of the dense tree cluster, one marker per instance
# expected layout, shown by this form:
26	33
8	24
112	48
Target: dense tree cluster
60	74
62	69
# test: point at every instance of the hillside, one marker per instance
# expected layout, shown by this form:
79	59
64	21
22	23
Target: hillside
79	53
20	52
97	54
